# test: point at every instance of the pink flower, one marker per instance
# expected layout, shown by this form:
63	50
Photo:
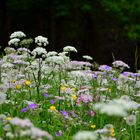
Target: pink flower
92	113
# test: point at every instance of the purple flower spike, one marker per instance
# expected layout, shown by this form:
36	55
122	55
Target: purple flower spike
59	133
32	106
24	109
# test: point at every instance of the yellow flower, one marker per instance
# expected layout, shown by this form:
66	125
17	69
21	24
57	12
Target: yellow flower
93	126
27	82
8	118
74	97
63	88
112	132
73	89
18	86
52	108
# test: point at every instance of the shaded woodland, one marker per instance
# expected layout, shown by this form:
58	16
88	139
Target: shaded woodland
100	28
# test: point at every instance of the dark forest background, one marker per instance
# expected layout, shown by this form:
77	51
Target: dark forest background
98	28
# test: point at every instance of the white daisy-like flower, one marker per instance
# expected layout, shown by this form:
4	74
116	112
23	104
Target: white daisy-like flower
17	34
69	49
41	41
39	51
120	63
87	57
14	41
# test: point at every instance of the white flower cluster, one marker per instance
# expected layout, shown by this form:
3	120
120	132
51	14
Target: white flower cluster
2	98
51	53
85	135
15	38
41	41
87	57
55	59
116	107
39	51
14	41
26	128
69	49
119	63
26	123
18	34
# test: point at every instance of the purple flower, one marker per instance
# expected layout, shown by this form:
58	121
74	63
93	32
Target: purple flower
32	106
64	113
59	133
52	101
114	79
24	109
94	76
46	95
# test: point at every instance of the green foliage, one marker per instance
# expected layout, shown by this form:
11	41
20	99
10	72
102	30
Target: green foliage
126	15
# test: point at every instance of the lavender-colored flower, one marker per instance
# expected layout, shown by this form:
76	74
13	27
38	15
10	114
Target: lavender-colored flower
64	113
114	79
105	68
46	95
24	109
59	133
32	106
119	63
94	76
52	101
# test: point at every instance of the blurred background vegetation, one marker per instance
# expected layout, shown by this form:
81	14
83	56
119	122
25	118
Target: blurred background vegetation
100	28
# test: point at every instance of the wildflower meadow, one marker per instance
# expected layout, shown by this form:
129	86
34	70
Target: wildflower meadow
45	95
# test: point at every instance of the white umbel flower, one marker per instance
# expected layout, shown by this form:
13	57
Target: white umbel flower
52	53
55	59
41	41
39	51
17	34
87	57
14	41
69	49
